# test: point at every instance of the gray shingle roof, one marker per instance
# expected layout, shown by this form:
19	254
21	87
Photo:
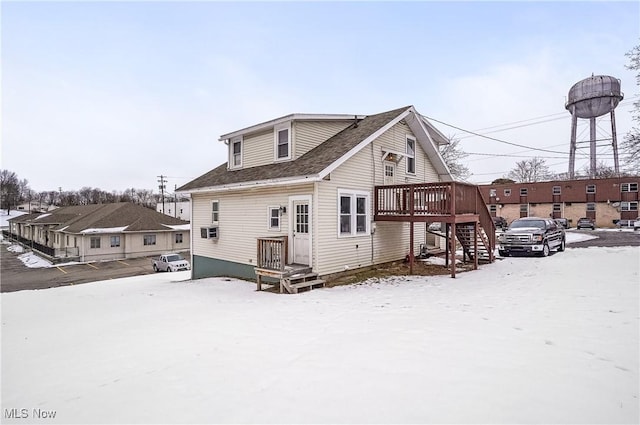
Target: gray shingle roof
75	219
311	163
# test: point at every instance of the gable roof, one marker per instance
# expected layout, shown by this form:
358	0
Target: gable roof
324	158
123	216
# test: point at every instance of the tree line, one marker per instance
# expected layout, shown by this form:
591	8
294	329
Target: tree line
15	191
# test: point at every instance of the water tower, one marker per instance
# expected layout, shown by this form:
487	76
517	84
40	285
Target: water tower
589	99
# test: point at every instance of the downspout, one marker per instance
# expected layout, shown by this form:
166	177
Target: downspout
373	186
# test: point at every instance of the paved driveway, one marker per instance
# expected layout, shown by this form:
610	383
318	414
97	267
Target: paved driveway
607	237
16	276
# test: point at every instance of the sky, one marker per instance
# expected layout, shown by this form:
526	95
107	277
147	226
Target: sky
112	95
499	345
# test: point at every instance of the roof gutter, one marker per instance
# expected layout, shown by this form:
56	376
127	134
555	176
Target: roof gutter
255	184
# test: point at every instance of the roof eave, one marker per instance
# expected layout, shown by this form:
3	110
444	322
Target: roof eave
255	184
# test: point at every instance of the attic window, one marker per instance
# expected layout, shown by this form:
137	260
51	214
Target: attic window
235	153
282	136
411	155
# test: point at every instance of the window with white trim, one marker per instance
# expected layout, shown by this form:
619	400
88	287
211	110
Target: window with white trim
282	134
215	211
556	190
115	241
507	192
274	218
523	191
411	155
148	240
629	187
493	209
629	206
95	242
179	238
235	150
353	213
492	193
591	206
557	208
591	188
524	208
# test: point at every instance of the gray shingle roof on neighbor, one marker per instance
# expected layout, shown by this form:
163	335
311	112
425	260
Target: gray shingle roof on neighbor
312	162
75	219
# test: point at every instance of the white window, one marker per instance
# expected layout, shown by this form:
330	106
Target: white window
95	242
283	141
149	240
591	206
493	209
629	206
523	191
556	190
179	238
353	213
507	192
215	211
274	218
411	155
492	193
235	150
629	187
591	188
557	208
209	232
115	241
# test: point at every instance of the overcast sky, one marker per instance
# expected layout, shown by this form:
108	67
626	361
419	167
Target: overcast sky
112	95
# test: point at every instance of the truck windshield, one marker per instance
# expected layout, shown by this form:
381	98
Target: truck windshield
527	223
176	257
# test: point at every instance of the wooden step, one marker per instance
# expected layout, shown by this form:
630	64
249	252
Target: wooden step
300	276
311	284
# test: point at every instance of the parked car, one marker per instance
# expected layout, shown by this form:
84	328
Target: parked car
500	222
636	224
532	235
624	224
563	222
586	223
171	262
435	227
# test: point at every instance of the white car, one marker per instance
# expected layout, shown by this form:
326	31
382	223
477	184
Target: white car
170	263
636	224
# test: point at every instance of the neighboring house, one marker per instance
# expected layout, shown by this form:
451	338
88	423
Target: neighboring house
604	200
181	210
329	192
100	232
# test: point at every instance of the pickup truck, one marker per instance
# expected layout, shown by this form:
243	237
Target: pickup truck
170	263
532	235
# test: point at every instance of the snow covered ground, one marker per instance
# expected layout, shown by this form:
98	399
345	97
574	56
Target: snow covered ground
522	340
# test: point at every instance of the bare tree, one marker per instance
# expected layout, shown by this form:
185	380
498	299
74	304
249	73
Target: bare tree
9	189
530	170
631	142
603	171
453	156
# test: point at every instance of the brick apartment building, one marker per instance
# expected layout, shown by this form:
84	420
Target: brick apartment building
605	200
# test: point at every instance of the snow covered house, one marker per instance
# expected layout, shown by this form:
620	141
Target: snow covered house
100	232
328	193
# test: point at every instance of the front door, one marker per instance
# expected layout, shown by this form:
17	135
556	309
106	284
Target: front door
301	232
389	173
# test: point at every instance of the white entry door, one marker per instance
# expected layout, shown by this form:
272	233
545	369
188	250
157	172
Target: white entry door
301	232
389	172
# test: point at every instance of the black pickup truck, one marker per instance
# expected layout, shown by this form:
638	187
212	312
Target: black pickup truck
531	235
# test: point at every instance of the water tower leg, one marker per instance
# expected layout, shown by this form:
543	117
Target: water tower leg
614	141
572	145
592	133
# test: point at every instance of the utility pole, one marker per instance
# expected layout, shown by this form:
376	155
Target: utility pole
175	201
162	187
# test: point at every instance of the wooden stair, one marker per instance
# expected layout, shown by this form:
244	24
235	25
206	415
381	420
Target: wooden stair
465	235
300	281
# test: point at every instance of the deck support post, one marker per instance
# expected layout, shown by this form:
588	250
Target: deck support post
452	242
475	245
411	253
259	282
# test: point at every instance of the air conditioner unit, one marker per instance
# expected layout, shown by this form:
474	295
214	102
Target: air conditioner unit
209	232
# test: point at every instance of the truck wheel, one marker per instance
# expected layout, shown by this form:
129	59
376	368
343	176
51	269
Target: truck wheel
561	247
545	250
168	269
155	268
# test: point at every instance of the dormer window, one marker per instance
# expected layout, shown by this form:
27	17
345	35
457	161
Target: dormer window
235	153
411	155
283	141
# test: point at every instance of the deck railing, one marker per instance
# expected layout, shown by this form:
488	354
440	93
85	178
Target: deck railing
272	253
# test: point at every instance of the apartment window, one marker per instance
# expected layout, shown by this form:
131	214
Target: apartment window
236	152
115	241
493	209
149	240
492	193
629	187
411	155
557	208
95	242
507	192
591	188
353	213
215	211
179	238
523	191
591	206
524	208
274	218
283	141
629	206
556	190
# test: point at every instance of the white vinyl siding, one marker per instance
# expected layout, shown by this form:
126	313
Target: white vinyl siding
309	134
257	149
